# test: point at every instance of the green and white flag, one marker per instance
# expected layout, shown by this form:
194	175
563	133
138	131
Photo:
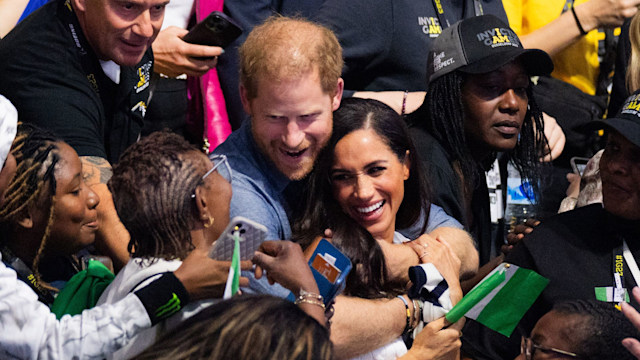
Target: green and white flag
501	299
233	280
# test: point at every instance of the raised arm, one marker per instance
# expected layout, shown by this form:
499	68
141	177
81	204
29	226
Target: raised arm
564	31
31	331
112	237
401	102
362	325
10	12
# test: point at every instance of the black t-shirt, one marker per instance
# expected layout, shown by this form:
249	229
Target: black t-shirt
55	81
574	250
446	192
385	42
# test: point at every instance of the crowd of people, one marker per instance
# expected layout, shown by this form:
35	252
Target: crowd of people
389	129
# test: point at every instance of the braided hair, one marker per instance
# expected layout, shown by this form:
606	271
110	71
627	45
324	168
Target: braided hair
36	157
442	115
602	330
152	184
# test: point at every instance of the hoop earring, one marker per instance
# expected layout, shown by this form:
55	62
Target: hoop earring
209	222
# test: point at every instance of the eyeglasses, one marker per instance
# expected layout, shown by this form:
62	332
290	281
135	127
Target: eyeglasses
529	348
220	164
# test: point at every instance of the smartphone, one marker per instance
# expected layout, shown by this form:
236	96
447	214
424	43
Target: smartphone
578	164
216	30
250	234
330	268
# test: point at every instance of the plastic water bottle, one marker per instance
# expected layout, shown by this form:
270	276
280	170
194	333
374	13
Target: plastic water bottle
521	203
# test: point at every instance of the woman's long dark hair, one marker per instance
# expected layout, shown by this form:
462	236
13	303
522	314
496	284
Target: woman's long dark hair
442	115
368	279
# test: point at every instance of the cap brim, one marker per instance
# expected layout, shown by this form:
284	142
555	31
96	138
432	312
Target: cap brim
536	62
629	129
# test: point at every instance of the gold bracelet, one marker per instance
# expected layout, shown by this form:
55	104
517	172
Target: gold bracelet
306	294
309	301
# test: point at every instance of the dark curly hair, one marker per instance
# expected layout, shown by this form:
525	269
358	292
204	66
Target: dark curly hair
151	187
369	276
600	334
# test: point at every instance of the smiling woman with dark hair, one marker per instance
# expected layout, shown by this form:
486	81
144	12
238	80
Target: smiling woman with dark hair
366	184
48	214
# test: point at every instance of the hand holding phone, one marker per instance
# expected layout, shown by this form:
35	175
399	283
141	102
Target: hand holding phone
250	234
330	268
578	164
173	56
216	30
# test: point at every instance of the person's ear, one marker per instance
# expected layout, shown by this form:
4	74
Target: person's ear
79	5
27	220
244	97
202	207
337	97
406	165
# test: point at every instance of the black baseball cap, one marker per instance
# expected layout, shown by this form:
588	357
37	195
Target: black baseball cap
626	121
480	45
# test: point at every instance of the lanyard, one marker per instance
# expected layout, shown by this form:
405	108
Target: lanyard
444	16
125	104
631	262
26	275
87	59
622	254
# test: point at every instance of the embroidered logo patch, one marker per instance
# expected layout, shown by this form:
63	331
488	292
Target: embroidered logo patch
498	37
430	26
144	76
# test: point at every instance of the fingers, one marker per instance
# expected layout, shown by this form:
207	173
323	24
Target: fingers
202	51
573	177
258	272
633	346
555	138
246	265
244	281
271	247
263	260
630	312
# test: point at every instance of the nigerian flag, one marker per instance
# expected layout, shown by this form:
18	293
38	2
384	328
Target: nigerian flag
233	280
501	299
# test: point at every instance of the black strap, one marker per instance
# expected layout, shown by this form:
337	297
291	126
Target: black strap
446	16
618	265
129	101
26	275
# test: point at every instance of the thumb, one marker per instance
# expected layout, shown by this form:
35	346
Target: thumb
263	260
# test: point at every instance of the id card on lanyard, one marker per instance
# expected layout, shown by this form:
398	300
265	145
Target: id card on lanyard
618	292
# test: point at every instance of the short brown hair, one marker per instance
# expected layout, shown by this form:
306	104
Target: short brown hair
284	48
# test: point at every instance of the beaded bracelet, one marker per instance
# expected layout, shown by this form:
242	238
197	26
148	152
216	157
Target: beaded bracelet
417	313
309	301
407	327
404	102
309	298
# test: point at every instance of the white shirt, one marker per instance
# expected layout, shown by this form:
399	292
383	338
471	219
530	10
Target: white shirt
28	329
137	274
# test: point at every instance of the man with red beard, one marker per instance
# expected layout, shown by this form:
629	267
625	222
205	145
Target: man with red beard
290	86
589	253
